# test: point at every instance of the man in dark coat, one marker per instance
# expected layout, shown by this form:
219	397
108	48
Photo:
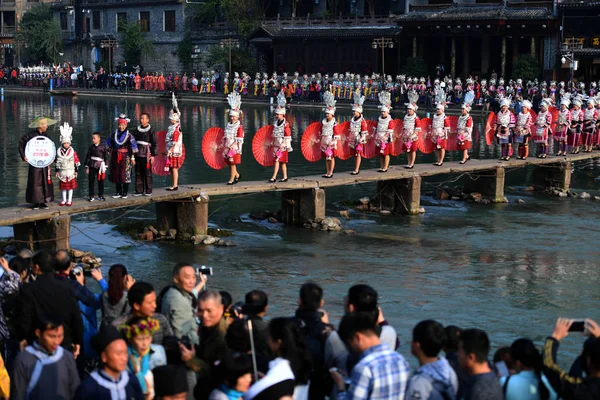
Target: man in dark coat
147	150
39	183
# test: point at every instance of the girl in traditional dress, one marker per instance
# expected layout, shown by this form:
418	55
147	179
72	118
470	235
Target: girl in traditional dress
282	139
194	83
383	131
358	131
233	138
67	164
562	126
440	125
590	116
329	135
522	131
143	356
123	147
411	126
174	145
184	82
574	135
464	132
505	122
542	129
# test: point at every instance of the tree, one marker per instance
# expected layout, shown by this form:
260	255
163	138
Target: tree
241	60
243	14
134	43
415	66
526	67
41	33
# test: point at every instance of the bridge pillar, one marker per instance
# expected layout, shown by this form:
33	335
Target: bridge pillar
489	183
401	196
298	206
188	217
553	175
52	234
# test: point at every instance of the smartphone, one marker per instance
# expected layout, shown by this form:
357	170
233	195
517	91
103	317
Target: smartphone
577	326
204	270
501	368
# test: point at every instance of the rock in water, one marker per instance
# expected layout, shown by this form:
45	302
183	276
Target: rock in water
476	195
385	212
596	197
364	201
521	201
260	215
421	210
442	194
209	240
345	214
153	230
273	220
562	194
147	236
585	195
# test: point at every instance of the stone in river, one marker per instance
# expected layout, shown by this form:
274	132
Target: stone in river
364	201
147	236
585	195
273	220
385	212
562	194
475	195
521	201
260	215
209	240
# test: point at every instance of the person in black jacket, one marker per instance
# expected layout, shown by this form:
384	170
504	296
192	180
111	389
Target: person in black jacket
63	268
147	150
48	295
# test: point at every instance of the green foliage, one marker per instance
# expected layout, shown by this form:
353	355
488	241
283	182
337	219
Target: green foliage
184	51
526	67
241	60
134	44
415	66
41	33
206	13
244	15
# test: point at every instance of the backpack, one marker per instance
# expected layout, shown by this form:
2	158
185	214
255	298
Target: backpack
161	296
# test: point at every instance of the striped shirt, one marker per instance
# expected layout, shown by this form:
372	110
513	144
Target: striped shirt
380	374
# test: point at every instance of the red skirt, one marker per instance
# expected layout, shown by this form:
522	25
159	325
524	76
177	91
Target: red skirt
235	160
333	156
72	184
283	159
413	147
442	144
386	151
466	145
175	162
572	138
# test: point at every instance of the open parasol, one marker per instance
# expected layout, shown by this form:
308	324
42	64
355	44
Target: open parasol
490	129
160	161
397	137
262	146
554	112
212	148
370	148
426	146
344	149
452	142
311	142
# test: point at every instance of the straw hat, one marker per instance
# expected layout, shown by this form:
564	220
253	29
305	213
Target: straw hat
36	123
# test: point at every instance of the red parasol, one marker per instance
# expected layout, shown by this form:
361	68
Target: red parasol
533	116
490	129
554	112
344	149
212	148
397	138
311	142
160	161
262	146
370	150
452	142
425	144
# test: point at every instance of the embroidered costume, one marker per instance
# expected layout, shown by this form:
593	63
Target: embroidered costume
147	147
358	127
96	160
464	129
329	132
411	126
123	147
542	129
282	134
67	164
233	138
574	134
385	128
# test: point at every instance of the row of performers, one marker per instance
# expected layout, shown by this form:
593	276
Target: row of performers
571	128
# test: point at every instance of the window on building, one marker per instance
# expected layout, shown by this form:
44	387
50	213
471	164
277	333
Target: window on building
121	21
63	21
144	21
169	21
96	20
33	1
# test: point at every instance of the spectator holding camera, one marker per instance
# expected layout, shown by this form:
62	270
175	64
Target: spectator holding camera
435	379
566	386
66	273
142	301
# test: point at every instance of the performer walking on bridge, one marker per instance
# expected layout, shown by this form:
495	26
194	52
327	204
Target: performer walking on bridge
233	137
39	182
505	122
329	135
282	139
174	144
464	132
147	149
522	131
383	131
440	126
358	131
410	135
123	148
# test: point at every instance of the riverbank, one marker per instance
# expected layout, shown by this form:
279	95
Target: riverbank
217	99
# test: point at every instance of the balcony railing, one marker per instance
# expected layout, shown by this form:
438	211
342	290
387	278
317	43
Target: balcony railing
7	31
7	2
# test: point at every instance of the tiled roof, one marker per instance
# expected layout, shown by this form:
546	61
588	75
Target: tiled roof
280	31
478	12
577	3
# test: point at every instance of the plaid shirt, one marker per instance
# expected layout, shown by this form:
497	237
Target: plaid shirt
380	374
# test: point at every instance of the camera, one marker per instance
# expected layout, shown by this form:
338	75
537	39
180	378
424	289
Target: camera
185	340
204	270
76	271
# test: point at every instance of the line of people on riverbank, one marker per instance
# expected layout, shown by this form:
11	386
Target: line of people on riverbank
186	342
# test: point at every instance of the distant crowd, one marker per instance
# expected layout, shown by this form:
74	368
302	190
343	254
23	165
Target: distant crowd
187	342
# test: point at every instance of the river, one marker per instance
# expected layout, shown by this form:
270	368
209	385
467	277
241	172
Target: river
510	269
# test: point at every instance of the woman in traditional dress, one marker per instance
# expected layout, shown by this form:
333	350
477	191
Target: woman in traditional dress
522	131
67	164
358	131
464	132
329	134
574	135
411	126
383	131
542	129
562	126
123	148
233	138
590	116
440	125
174	145
282	139
505	122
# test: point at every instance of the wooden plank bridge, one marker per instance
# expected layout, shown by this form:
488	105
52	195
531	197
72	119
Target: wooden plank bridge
303	198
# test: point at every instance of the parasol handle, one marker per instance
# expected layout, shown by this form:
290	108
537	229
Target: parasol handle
253	351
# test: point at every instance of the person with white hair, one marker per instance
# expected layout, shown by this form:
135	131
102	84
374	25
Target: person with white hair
590	116
330	134
542	129
411	126
505	123
522	130
464	132
574	136
282	139
440	126
383	131
358	131
562	126
233	138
